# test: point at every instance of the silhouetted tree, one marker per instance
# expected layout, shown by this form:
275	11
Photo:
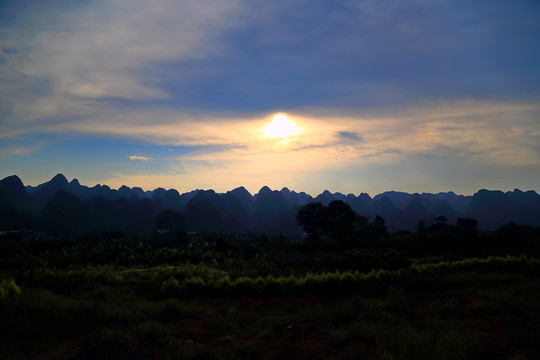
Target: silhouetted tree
441	219
379	226
311	218
222	245
441	226
421	226
339	220
170	221
466	227
336	221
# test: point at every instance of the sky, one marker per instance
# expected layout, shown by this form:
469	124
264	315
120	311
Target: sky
370	96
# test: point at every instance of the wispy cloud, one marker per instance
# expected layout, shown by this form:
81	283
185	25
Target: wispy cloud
20	148
139	157
64	62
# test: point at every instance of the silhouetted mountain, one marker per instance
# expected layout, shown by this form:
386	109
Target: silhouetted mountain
270	212
65	206
125	192
82	192
16	206
46	191
204	212
59	181
263	191
493	207
459	203
158	193
363	204
393	215
285	192
530	201
325	198
301	198
139	192
237	210
13	194
142	214
125	216
399	199
102	191
169	199
243	195
415	211
66	213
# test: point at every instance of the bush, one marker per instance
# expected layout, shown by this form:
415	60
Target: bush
376	281
8	289
170	286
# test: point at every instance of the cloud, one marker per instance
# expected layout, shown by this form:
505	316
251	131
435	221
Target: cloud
351	136
459	134
18	148
499	133
102	56
139	157
208	76
69	62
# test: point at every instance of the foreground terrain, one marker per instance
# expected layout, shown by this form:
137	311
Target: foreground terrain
81	301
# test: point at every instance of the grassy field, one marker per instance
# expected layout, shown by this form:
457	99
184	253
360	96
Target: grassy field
252	307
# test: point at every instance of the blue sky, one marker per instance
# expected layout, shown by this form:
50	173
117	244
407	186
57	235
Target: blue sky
410	95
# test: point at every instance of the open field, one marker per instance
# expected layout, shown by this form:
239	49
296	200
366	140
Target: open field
428	309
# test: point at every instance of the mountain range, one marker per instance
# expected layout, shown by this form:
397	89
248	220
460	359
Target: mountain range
64	206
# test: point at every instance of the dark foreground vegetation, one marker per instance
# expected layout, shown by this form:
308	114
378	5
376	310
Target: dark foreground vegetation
439	293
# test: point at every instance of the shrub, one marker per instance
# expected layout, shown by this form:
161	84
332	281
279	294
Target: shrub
170	286
8	289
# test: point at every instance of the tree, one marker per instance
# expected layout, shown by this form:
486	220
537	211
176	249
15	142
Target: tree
379	226
169	221
222	245
336	221
466	227
421	226
339	220
441	219
311	218
441	226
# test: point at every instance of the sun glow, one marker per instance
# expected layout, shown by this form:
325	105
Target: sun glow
280	127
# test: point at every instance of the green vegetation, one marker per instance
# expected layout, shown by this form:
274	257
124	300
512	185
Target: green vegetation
453	294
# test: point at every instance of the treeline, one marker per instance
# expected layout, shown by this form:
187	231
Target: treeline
337	226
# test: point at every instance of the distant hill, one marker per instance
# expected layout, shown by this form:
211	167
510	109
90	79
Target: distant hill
61	206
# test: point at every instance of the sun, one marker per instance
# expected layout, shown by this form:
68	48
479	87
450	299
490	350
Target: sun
280	127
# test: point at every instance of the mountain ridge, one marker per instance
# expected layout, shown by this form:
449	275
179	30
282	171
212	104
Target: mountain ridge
240	211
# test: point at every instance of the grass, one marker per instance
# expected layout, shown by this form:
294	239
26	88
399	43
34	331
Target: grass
468	309
475	315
